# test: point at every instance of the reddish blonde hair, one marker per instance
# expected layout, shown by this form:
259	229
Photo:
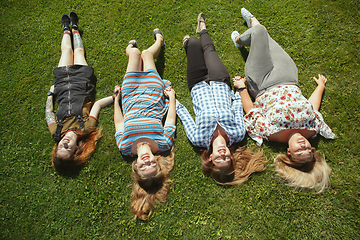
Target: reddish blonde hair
314	173
243	163
86	142
148	191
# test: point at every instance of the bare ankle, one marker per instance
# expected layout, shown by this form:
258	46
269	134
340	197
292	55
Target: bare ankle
254	21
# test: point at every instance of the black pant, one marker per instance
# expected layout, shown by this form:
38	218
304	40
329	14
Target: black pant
203	63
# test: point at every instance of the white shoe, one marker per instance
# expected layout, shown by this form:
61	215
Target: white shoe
234	35
246	15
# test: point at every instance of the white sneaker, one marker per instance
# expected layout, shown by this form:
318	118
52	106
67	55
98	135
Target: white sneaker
234	35
246	15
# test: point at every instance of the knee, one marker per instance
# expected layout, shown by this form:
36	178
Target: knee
66	50
133	51
193	41
260	29
146	53
79	51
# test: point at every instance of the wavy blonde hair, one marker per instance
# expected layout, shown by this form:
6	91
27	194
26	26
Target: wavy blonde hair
311	174
243	163
86	142
148	191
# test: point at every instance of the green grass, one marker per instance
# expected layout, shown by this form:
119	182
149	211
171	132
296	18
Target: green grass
38	203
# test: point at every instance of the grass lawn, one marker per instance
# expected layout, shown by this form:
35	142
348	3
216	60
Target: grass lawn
36	202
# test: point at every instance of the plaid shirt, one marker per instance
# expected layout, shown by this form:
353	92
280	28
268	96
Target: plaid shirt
213	104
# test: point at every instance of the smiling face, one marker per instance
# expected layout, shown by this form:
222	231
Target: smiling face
67	146
299	148
146	162
221	157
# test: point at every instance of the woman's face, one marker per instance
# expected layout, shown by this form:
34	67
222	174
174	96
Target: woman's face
299	147
221	157
146	162
67	146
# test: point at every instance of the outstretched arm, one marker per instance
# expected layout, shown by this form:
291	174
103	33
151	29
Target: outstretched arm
239	84
171	115
190	127
49	109
118	116
316	96
100	104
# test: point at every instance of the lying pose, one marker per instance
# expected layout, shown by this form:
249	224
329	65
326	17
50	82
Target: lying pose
280	112
145	98
219	116
74	127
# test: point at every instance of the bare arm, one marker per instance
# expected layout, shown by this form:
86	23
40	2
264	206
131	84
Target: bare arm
239	82
49	109
171	115
118	116
316	96
95	110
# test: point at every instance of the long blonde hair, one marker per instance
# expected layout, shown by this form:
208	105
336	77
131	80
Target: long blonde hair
243	163
86	141
313	174
148	191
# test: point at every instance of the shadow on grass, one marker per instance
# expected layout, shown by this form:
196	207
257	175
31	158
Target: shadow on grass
128	159
160	62
71	173
244	53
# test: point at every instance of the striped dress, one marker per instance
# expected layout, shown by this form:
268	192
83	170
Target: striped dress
144	106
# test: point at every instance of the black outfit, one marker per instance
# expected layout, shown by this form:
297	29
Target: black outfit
72	84
203	63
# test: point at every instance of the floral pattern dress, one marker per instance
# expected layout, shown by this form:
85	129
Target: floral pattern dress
281	108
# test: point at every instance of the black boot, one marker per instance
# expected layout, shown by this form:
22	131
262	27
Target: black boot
65	21
74	20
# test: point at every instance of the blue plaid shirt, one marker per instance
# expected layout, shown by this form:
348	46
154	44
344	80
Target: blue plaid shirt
213	104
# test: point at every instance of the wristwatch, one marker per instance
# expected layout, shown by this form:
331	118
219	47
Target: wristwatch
50	93
239	89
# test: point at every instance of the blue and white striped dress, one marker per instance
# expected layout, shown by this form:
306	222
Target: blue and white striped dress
144	106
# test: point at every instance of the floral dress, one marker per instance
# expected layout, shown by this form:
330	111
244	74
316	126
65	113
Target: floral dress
281	108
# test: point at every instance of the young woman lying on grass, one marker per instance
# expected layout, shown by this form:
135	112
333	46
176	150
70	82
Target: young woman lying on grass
74	128
219	116
145	98
280	112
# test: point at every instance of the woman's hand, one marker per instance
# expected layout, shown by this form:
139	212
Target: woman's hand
321	80
239	82
118	116
169	92
52	88
117	92
171	114
316	96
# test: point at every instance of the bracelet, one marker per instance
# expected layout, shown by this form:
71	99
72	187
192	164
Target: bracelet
239	89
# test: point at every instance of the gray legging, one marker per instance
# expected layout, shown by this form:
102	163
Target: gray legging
267	65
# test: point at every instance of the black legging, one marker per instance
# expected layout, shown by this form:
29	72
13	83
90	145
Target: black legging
203	63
